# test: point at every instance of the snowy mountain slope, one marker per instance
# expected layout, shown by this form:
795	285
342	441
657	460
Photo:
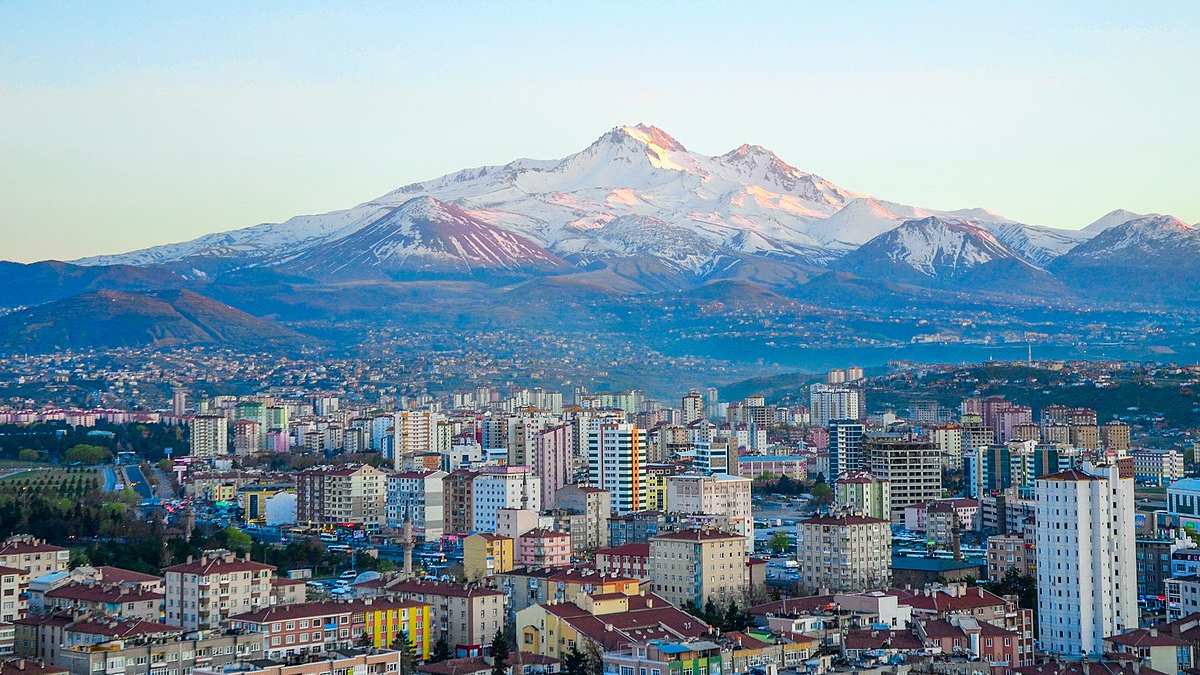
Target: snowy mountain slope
422	234
1110	219
635	191
1153	258
941	252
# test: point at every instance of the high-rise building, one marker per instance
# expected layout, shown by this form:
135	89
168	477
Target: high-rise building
693	407
179	402
416	497
912	465
617	462
551	461
845	447
458	501
1114	436
1086	558
717	495
351	493
503	487
835	402
845	553
209	436
413	432
949	441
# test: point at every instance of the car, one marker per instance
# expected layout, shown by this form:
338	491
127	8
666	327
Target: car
348	574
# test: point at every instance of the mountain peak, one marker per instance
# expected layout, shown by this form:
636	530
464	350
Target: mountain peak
651	136
1110	219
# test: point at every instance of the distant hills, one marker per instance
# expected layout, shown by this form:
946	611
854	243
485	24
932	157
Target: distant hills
635	212
102	319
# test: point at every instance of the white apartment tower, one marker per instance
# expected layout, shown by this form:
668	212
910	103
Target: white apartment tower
1087	576
209	436
617	462
835	402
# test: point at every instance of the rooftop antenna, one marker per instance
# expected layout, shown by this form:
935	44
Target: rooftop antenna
1029	358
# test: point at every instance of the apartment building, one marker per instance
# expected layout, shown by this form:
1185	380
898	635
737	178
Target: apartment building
13	585
416	496
719	495
697	565
1086	573
595	505
862	494
458	501
467	616
485	554
209	436
340	662
912	466
844	553
541	547
33	555
616	454
203	593
503	487
351	494
320	627
115	600
143	656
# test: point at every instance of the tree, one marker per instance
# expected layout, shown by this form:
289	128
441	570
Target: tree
576	662
499	654
237	540
408	660
86	454
712	615
441	650
822	494
28	455
779	542
364	640
735	618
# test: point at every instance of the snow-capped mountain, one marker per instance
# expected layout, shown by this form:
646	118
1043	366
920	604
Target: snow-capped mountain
634	192
1153	258
422	234
1141	240
938	251
1110	219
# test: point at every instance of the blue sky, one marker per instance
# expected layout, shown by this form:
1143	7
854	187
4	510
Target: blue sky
132	124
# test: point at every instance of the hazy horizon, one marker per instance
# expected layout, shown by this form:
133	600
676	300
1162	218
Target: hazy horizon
134	125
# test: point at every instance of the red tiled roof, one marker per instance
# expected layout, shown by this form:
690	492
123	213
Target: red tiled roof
942	602
636	550
698	535
842	521
13	570
21	548
1142	637
120	628
29	667
102	593
207	566
109	573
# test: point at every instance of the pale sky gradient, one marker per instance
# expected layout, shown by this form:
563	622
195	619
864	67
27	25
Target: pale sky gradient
131	124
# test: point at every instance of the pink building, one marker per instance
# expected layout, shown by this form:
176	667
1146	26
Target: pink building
969	515
544	548
552	461
1007	420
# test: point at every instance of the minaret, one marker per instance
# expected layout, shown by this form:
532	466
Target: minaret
408	546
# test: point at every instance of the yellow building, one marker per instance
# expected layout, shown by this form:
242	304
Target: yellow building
605	620
656	486
384	620
253	500
485	554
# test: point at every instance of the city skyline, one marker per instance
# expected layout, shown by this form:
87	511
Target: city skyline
138	125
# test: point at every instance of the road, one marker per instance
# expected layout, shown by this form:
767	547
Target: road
138	481
110	478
